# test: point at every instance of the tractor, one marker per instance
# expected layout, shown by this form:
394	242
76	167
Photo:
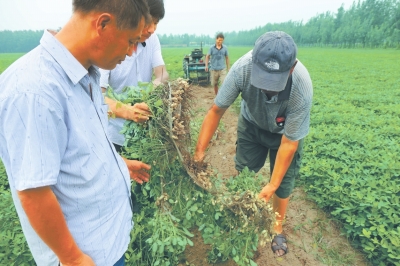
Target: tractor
194	67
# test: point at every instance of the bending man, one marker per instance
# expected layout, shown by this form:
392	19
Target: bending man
276	92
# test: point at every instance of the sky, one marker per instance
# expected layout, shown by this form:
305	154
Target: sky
181	16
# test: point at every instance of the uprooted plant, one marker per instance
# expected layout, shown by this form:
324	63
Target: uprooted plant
182	194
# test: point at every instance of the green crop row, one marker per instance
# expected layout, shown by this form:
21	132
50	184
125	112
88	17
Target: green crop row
351	166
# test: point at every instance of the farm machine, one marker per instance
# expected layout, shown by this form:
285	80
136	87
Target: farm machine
194	67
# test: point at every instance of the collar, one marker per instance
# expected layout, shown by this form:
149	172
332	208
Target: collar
222	46
285	94
74	70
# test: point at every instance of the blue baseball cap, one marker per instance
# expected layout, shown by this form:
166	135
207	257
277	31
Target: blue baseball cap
273	56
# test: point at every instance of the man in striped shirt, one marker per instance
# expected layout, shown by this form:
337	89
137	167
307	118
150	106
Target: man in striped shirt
276	92
70	187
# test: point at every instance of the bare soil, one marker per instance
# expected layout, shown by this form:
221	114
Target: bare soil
313	238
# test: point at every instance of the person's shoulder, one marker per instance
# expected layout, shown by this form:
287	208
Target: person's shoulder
244	61
301	72
31	72
302	81
153	39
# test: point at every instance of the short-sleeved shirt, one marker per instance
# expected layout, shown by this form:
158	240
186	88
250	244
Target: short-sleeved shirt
256	108
53	133
218	57
135	68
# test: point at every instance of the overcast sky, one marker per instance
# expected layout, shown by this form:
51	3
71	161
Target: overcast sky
181	16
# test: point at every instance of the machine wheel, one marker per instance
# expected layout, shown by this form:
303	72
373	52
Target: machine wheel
185	69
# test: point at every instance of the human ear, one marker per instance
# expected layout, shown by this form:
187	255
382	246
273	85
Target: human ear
292	68
103	20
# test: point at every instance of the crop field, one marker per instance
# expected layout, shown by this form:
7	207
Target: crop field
351	163
8	59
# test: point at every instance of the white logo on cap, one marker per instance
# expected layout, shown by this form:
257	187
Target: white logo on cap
272	65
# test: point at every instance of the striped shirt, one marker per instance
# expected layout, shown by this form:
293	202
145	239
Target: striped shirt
263	113
135	68
53	133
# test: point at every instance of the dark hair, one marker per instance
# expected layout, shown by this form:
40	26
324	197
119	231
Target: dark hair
220	35
128	13
156	8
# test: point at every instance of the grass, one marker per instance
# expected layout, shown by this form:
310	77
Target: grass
320	235
7	59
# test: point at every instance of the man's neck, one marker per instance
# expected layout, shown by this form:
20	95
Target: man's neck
70	37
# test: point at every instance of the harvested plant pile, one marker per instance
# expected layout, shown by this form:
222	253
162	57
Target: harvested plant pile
183	195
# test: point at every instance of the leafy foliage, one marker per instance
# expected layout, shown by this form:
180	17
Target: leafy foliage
174	203
350	162
13	247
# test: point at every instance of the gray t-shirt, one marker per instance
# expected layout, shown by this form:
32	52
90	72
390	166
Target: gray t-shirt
263	113
218	61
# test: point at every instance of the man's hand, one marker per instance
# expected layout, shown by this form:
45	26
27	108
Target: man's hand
138	170
206	69
267	192
139	112
85	260
156	83
47	219
199	156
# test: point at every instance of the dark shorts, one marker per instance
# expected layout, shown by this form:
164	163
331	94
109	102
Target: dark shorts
252	148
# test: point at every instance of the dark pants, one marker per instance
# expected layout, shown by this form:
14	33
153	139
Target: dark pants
253	145
121	261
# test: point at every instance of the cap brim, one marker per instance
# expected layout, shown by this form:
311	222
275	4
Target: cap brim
268	81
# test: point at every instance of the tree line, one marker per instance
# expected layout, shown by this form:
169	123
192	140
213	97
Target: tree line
371	23
368	23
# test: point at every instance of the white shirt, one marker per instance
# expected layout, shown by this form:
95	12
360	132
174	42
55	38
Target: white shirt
53	133
135	68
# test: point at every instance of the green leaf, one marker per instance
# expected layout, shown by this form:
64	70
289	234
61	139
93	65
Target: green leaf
366	233
233	251
188	215
158	103
187	232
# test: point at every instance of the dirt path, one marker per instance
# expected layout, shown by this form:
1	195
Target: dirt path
313	238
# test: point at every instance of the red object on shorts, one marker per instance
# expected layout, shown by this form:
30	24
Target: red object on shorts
280	121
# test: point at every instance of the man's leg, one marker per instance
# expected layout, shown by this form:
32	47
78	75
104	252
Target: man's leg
221	78
281	197
216	80
280	206
249	151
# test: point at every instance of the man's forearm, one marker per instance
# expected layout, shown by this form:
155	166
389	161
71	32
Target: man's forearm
119	111
46	217
208	127
207	59
161	74
284	158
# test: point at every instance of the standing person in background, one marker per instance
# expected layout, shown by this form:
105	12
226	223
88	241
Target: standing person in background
70	187
146	61
276	91
219	62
